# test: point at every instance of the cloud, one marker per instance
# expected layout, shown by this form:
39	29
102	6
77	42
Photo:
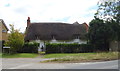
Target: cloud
16	11
7	5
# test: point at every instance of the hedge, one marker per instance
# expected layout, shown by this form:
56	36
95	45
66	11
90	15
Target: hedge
68	48
29	48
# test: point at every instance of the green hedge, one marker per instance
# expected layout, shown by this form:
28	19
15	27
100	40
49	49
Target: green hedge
29	48
68	48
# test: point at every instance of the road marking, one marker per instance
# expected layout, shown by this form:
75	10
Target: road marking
17	67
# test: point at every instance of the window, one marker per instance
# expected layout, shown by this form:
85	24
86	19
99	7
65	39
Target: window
53	36
77	36
4	31
36	37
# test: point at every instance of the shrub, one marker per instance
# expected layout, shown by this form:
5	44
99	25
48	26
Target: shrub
15	40
68	48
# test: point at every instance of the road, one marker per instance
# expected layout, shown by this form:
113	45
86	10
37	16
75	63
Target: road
34	63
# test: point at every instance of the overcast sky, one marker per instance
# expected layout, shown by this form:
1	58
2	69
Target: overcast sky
68	11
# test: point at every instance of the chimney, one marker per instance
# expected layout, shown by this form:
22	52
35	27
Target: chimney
28	21
87	27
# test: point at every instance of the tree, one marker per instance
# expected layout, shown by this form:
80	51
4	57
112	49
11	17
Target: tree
15	40
100	34
109	10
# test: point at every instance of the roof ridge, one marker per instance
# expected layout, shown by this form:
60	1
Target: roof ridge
4	24
49	23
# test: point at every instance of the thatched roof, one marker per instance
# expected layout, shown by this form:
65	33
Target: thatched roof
59	31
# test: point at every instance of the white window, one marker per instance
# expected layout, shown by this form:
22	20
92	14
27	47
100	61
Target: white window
4	31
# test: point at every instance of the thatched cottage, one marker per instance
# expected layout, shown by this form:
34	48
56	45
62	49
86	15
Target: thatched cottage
56	32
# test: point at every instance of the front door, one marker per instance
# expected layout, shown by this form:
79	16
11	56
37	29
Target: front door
41	46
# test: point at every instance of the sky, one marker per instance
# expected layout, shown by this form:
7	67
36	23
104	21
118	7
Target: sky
67	11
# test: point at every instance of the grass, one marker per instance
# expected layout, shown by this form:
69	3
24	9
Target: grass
0	55
42	53
20	55
68	57
82	57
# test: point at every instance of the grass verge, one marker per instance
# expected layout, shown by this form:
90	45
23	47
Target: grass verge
81	57
20	55
0	55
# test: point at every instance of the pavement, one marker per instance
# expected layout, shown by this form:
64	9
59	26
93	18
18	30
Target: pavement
34	63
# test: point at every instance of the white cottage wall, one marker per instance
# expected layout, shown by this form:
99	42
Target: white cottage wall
69	42
41	44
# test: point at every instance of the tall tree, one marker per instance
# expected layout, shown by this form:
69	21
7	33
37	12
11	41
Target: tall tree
100	34
109	10
106	25
15	39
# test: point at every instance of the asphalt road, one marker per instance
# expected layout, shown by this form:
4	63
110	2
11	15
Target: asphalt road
34	63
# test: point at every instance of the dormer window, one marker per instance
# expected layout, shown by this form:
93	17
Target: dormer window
53	36
76	36
53	39
37	37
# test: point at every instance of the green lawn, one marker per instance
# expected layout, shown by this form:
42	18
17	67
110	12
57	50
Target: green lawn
78	57
68	57
20	55
0	55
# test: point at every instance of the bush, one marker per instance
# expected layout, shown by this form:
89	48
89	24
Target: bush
15	40
29	48
68	48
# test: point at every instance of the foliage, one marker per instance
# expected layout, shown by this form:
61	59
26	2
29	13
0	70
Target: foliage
29	48
106	25
15	40
68	48
0	55
100	34
110	11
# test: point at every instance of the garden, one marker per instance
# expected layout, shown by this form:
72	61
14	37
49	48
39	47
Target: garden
101	32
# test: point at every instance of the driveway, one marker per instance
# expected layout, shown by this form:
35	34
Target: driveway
34	63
